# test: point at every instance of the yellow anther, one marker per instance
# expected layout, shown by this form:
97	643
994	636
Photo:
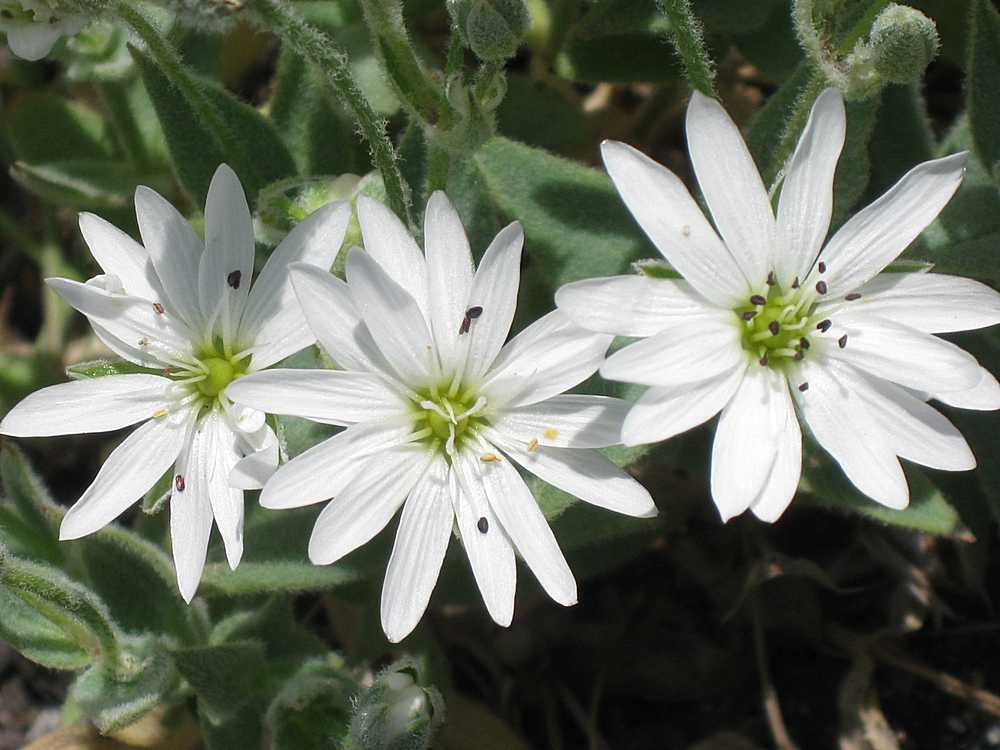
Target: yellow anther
161	412
490	458
550	434
533	445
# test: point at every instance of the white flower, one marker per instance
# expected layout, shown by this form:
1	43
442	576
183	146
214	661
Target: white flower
438	412
34	26
185	309
769	322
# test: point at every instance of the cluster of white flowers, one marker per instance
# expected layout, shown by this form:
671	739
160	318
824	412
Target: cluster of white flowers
34	26
767	324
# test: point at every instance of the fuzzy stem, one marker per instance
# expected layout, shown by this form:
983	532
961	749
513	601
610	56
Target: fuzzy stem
115	98
685	34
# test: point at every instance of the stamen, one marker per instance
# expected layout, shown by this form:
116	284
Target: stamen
842	341
852	296
532	445
483	525
158	308
821	287
179	483
823	326
757	300
804	387
799	356
748	315
785	352
490	458
795	283
550	433
160	413
804	342
431	406
774	327
771	281
822	267
449	446
474	409
234	278
474	312
686	230
763	360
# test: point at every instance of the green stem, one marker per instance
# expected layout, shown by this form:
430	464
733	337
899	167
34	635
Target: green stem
796	123
438	166
281	18
685	34
456	56
114	94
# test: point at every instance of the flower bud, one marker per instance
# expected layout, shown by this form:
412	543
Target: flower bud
493	29
283	205
396	712
903	42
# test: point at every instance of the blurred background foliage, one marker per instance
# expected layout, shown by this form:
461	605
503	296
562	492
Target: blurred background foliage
843	626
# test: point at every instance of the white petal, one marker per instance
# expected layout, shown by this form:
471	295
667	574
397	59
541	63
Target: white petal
674	223
449	273
842	423
567	421
175	251
387	240
273	320
783	481
327	468
903	355
191	513
332	396
806	202
32	40
665	411
491	555
548	357
732	187
84	406
984	396
367	504
132	319
334	319
585	474
131	469
393	318
421	542
221	457
516	509
628	305
252	471
706	347
119	254
875	236
747	439
930	302
494	289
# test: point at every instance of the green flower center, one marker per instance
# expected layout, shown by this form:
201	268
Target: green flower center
776	328
445	419
220	373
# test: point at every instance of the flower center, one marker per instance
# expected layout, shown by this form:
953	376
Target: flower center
220	373
446	418
776	328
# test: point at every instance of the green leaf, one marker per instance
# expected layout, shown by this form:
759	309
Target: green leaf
279	576
241	731
983	81
539	114
902	137
44	127
35	507
36	637
854	167
313	708
79	183
622	58
225	677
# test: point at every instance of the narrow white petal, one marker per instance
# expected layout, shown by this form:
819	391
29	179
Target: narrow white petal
746	440
222	455
732	186
875	236
705	348
628	305
273	320
783	481
516	509
175	251
806	202
674	223
387	240
367	504
327	468
490	553
32	40
393	318
421	542
333	396
191	513
566	421
84	406
984	396
119	254
548	357
842	423
901	354
494	289
665	411
131	469
930	302
253	470
449	273
586	474
226	266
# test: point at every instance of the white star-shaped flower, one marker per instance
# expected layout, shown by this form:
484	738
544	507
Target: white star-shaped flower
184	309
34	26
770	326
439	412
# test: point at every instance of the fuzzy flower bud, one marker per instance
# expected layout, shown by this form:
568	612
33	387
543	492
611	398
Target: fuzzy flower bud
904	42
396	713
493	29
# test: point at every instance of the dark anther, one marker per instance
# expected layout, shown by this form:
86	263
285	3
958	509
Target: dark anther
483	525
179	482
842	341
804	387
821	287
822	267
823	326
158	308
763	360
233	279
464	327
770	278
757	300
804	342
774	327
795	283
852	296
799	355
473	312
748	315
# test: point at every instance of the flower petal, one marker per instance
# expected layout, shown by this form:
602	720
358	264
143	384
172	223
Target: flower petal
85	406
516	509
548	357
273	320
567	421
665	411
367	504
393	318
120	255
449	274
806	202
875	236
131	469
628	305
221	456
930	302
674	223
421	542
984	396
732	187
32	40
331	396
191	513
252	471
783	481
388	241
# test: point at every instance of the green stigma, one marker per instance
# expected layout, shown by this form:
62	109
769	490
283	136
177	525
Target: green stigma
447	419
776	328
220	373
